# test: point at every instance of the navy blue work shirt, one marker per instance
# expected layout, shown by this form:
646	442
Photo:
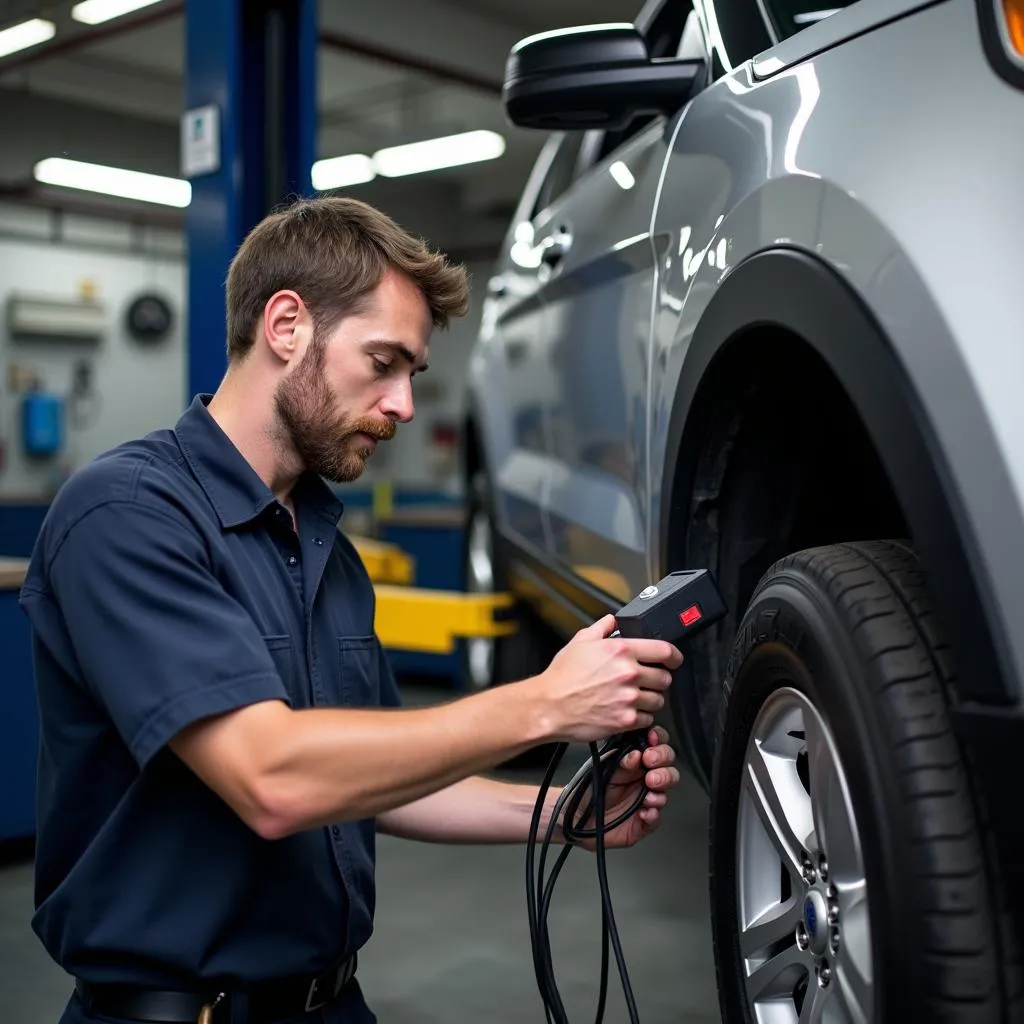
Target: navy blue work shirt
167	585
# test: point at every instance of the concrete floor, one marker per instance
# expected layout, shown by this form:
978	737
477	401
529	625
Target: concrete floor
456	950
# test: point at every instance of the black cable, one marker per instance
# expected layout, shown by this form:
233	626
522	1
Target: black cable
592	777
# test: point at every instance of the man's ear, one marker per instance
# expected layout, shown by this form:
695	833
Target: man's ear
286	325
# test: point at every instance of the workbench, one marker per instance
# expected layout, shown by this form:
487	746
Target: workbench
19	728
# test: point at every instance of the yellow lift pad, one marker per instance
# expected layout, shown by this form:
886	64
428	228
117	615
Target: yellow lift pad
386	563
432	621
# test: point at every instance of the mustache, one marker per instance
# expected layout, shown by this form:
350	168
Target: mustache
382	430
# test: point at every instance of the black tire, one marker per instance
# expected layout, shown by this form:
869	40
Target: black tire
851	630
531	647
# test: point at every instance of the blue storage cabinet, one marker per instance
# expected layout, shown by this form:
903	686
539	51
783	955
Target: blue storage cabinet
19	715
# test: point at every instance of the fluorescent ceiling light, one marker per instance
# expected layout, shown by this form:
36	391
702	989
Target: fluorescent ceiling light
93	12
113	181
434	154
28	33
341	171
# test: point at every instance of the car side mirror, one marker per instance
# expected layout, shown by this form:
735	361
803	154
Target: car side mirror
596	76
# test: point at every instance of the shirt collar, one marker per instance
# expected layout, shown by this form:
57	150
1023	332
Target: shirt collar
235	490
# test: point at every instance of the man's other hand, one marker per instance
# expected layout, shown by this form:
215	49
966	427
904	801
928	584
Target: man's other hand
655	768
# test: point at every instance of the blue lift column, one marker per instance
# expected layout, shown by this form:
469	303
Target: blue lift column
248	143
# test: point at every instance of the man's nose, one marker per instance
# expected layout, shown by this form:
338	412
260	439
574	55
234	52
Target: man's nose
398	403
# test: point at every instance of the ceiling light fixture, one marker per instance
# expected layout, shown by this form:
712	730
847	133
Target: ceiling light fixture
94	12
26	34
342	171
436	154
114	181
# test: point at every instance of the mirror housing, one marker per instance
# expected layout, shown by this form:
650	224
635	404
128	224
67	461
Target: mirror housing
595	76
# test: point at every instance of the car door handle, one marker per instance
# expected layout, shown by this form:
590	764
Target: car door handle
556	247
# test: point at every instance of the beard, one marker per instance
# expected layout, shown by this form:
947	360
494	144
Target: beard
327	442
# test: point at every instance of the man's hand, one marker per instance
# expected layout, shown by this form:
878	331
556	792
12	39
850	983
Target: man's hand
656	770
598	685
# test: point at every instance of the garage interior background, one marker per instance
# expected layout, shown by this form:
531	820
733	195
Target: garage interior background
114	94
128	84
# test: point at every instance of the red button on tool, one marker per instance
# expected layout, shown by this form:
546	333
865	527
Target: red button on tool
691	615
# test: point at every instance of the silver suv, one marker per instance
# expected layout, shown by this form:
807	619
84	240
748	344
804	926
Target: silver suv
760	311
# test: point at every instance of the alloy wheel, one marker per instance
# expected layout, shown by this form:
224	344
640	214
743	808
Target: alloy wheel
804	930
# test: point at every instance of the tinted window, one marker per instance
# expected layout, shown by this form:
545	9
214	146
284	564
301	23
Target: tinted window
561	172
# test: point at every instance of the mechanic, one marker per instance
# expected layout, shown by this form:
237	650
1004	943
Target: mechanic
221	733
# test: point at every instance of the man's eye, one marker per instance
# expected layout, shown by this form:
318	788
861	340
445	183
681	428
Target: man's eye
379	365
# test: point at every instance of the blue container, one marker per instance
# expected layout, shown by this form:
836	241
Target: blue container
42	423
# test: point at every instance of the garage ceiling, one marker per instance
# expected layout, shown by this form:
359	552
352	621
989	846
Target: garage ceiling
440	75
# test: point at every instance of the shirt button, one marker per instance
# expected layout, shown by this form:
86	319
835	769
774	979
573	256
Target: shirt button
292	560
335	831
318	542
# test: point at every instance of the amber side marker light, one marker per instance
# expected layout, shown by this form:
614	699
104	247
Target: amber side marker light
1013	22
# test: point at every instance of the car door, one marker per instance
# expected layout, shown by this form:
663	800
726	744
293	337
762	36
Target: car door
511	372
599	267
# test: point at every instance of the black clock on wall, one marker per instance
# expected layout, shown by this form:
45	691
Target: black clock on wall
149	318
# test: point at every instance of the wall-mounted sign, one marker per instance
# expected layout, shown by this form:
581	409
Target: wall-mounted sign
200	141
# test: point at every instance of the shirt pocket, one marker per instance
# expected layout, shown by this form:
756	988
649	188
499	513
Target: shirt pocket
281	654
359	657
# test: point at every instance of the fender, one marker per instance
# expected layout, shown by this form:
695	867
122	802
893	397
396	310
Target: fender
791	289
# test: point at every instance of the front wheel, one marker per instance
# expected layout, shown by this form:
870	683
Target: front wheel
848	881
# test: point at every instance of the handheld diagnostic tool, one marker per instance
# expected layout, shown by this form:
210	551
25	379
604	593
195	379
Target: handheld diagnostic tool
675	609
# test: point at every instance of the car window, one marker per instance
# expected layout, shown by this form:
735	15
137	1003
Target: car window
663	40
579	151
561	173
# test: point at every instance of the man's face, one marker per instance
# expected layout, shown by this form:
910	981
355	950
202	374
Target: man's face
353	385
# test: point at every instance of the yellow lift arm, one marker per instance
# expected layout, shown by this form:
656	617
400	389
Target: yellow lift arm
386	563
431	621
418	619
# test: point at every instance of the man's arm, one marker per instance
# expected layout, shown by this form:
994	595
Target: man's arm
475	810
285	770
483	810
177	661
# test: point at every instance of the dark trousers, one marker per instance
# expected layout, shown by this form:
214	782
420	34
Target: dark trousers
349	1008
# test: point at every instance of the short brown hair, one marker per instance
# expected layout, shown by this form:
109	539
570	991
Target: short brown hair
333	251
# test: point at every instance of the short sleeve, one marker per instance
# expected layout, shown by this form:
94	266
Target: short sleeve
156	637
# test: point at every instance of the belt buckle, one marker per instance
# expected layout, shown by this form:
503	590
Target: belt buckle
339	981
310	1005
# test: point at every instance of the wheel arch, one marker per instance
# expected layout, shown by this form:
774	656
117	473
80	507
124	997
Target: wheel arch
791	291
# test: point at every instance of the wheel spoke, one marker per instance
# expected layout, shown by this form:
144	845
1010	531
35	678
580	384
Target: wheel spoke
781	803
816	1002
854	990
854	970
776	923
778	975
834	828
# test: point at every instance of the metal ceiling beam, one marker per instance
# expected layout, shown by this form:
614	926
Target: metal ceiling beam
337	41
66	44
70	43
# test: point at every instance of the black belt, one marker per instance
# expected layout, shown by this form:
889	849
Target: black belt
267	1001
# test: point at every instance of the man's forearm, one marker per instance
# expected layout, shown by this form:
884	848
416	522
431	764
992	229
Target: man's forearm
474	810
285	771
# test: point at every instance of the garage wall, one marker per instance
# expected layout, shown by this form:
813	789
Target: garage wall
139	387
136	387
